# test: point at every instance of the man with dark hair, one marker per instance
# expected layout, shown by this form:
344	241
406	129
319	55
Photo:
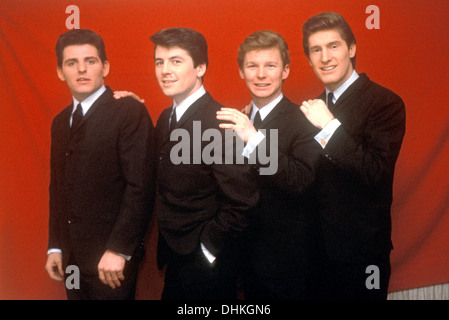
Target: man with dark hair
279	247
101	185
362	127
202	206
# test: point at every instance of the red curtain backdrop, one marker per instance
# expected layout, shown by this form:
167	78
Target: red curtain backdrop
408	54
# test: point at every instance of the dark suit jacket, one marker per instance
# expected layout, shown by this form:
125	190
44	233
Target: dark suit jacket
101	181
281	237
200	203
355	178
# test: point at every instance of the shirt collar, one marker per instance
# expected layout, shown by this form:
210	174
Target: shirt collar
265	110
182	107
89	101
341	89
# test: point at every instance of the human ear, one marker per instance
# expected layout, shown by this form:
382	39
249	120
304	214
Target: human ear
60	74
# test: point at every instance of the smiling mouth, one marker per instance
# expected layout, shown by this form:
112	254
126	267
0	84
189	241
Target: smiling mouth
261	85
82	79
168	81
328	68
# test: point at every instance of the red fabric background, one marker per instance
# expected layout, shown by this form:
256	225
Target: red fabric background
408	54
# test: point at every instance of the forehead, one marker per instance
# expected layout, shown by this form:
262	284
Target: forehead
170	52
79	51
269	54
324	37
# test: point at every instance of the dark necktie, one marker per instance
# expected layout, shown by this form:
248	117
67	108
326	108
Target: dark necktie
330	102
173	120
257	120
77	117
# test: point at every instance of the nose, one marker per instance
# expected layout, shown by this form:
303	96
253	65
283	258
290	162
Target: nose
325	56
81	67
166	68
261	72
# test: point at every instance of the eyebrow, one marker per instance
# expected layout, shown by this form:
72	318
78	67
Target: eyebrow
334	42
86	58
171	58
327	44
267	62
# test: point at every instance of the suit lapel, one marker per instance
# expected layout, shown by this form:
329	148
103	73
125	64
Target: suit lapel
273	113
64	130
163	128
358	85
193	109
190	112
103	99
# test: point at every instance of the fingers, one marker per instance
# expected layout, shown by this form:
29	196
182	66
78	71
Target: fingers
53	266
110	269
55	273
123	94
232	115
111	278
304	109
227	126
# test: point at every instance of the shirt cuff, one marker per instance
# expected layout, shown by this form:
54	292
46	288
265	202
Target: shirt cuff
324	135
127	258
53	250
210	257
252	144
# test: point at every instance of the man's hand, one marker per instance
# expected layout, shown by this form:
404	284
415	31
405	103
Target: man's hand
317	112
54	266
122	94
110	269
240	123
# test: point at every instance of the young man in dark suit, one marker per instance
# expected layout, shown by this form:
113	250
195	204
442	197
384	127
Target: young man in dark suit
202	206
362	127
101	187
280	243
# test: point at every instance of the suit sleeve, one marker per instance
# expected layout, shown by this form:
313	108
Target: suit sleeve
238	195
371	154
291	169
136	156
53	227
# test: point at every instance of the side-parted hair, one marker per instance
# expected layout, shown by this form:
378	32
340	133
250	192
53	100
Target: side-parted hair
265	39
327	21
80	37
190	40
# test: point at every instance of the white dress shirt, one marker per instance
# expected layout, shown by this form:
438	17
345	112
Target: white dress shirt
258	137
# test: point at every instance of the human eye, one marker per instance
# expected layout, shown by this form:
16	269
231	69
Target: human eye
159	63
335	46
70	63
